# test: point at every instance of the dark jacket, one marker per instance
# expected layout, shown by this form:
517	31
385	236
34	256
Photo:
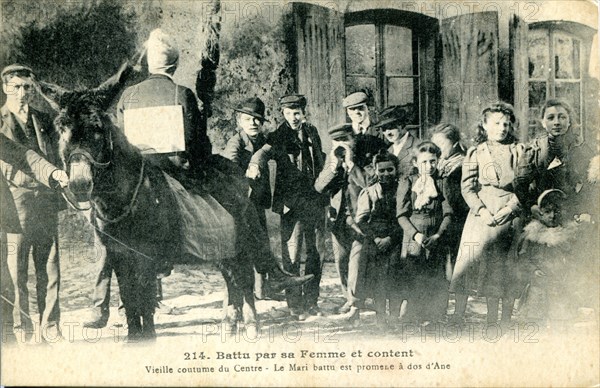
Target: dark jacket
240	149
294	189
405	157
541	170
343	188
450	170
366	147
376	212
160	90
24	170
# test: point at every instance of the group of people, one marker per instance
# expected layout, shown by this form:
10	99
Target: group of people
410	221
413	221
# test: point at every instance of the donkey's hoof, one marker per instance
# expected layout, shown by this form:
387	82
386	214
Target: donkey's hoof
252	330
133	339
230	326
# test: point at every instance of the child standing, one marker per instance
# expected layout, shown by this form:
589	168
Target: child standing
485	264
424	214
546	246
447	137
375	218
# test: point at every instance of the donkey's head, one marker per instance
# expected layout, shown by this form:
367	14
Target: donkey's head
85	129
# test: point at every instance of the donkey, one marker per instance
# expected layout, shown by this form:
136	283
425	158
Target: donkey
135	212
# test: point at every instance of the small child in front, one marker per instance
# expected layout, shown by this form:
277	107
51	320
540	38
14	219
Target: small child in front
375	217
545	248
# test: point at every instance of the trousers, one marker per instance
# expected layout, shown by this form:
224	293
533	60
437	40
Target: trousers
297	228
39	223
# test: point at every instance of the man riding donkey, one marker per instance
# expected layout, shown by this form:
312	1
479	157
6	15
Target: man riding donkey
161	106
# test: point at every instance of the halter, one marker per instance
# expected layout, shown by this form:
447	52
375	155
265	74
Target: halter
90	158
128	209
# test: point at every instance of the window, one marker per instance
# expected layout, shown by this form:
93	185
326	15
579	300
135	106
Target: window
383	52
557	65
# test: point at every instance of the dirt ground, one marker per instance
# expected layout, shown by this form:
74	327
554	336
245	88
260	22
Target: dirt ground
193	299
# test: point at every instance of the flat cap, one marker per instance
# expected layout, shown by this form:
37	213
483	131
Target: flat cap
355	99
16	68
292	101
340	131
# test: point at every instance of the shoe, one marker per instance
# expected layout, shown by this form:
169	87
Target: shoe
280	280
314	311
51	334
164	269
345	308
369	304
353	316
22	335
298	315
164	309
97	320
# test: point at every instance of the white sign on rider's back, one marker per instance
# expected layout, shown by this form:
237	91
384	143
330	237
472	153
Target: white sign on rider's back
156	129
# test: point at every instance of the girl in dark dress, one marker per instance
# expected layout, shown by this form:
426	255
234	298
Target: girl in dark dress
447	137
424	213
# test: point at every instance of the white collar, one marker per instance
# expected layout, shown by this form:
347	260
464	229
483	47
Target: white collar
357	127
398	147
163	73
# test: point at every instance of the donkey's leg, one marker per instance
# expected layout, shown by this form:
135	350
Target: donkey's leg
233	301
125	270
245	276
146	296
148	331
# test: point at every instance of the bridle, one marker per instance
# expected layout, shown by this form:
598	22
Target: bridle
66	193
90	158
68	196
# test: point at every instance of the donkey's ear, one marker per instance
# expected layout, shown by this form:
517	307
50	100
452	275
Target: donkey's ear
110	88
52	93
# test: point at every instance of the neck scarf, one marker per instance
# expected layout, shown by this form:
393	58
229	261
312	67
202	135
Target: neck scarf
447	166
425	189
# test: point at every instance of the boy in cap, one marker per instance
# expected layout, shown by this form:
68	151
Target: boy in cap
342	179
241	148
356	108
43	171
296	147
37	207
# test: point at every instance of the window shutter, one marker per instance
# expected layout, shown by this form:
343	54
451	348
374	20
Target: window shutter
469	68
318	49
519	67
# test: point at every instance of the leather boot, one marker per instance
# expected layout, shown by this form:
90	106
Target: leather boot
279	280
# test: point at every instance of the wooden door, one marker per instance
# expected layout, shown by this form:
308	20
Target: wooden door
519	70
469	68
316	42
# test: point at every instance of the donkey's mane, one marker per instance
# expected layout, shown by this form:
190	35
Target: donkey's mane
82	109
